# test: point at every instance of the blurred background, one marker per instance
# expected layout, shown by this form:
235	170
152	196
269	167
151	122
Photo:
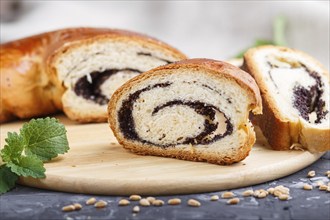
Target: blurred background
210	29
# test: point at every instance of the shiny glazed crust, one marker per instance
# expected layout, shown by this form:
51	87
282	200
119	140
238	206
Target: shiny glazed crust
29	82
214	68
282	133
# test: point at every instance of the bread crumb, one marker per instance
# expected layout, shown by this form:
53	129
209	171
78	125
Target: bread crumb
214	198
144	202
311	174
68	208
123	202
91	201
158	202
136	209
247	193
77	206
323	187
194	203
227	195
135	198
283	197
233	201
100	204
271	190
174	201
151	199
307	187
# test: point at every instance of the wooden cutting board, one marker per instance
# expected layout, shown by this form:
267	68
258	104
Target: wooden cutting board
97	164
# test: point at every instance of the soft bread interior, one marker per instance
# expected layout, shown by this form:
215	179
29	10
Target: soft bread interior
127	57
165	116
290	78
295	92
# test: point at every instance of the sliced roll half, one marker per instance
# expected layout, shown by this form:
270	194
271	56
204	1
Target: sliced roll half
295	93
92	68
75	70
193	110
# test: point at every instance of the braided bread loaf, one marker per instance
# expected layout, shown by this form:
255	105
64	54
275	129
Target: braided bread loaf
75	70
194	109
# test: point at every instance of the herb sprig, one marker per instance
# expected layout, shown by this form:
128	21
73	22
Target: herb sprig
38	141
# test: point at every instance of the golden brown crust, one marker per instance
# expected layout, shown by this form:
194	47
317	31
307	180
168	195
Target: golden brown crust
194	153
215	68
22	86
276	130
240	76
280	132
29	84
317	140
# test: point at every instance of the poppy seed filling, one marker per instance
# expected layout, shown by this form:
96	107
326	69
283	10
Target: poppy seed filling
309	100
306	100
89	86
206	136
90	89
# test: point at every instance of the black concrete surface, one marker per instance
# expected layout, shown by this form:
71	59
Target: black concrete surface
30	203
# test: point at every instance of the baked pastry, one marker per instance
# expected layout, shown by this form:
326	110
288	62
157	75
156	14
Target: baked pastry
194	109
295	92
75	70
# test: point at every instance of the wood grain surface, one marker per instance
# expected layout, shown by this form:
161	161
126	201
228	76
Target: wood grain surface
97	164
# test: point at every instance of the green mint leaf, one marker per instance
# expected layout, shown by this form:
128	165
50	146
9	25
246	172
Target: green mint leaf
28	166
45	138
14	147
7	179
24	153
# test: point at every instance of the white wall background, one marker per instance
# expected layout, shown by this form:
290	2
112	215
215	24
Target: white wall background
212	29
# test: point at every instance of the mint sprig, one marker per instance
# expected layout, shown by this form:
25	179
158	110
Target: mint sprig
23	154
8	179
44	138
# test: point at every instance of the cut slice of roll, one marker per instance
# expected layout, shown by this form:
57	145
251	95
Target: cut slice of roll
295	93
75	70
193	110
